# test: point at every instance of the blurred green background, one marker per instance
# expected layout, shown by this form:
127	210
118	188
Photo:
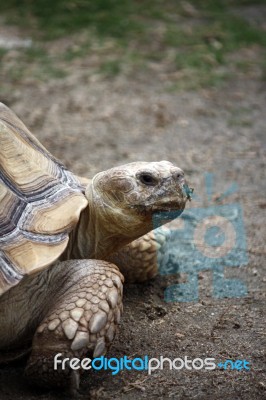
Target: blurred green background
195	41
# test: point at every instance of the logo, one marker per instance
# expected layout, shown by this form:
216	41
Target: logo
204	238
145	363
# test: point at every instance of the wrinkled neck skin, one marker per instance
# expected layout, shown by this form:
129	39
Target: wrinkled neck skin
102	229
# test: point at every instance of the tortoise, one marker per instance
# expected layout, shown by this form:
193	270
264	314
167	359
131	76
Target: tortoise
59	237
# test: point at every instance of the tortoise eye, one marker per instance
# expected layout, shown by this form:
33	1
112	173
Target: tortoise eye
147	179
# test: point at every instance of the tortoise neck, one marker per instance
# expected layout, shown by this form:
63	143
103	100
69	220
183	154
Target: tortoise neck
102	230
95	237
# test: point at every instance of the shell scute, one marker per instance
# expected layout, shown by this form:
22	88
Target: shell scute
40	203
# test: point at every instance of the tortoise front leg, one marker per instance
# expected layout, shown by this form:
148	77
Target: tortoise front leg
82	321
139	261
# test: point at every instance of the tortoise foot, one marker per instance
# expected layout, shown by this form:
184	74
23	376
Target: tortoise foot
82	323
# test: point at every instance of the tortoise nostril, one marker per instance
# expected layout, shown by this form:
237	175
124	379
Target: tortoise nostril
179	175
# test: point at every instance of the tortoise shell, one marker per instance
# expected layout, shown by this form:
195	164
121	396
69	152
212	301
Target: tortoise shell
40	203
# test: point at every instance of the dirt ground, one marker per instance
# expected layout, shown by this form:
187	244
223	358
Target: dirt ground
94	124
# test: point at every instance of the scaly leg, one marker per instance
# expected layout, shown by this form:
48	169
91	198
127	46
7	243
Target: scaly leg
82	321
139	260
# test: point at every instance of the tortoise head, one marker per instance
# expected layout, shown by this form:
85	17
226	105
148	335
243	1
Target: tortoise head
124	199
